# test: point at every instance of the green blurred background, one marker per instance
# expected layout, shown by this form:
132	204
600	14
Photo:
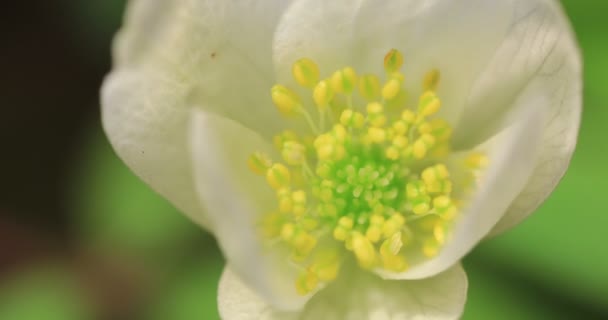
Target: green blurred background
82	238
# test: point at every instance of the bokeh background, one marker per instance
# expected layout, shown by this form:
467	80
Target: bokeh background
82	238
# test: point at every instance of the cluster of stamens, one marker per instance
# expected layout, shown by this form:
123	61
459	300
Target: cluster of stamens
373	185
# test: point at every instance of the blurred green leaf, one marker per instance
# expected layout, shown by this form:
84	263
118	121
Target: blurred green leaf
192	294
44	293
117	210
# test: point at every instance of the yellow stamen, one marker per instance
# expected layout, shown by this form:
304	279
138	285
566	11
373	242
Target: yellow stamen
278	176
371	181
369	87
285	100
259	163
306	72
393	61
344	81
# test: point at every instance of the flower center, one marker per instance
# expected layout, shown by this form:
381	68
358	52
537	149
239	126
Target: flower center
375	185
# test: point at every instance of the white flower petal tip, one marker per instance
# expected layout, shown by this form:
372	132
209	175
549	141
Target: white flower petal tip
553	68
358	296
146	125
234	200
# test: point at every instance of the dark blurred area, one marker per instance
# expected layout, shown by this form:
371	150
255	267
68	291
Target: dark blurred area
82	238
50	80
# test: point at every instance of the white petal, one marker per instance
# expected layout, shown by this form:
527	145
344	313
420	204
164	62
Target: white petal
358	296
144	120
539	56
236	301
234	199
457	37
220	50
512	155
172	55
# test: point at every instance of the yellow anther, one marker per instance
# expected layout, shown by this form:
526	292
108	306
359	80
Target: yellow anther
280	139
429	104
303	243
394	151
441	129
369	87
376	135
441	202
299	202
476	160
442	171
374	231
408	117
422	205
339	132
431	80
425	128
375	114
259	163
346	222
393	61
400	142
393	225
322	94
445	207
352	119
326	265
392	245
326	192
278	176
293	153
328	148
439	233
286	101
395	263
364	251
343	229
344	81
400	127
288	231
436	178
285	200
430	248
306	283
415	189
422	145
391	88
306	72
271	225
429	176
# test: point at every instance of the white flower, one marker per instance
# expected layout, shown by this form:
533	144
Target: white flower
189	102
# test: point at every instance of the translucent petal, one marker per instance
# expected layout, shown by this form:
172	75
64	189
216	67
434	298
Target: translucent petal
539	56
356	296
200	44
172	55
457	37
512	154
234	198
142	118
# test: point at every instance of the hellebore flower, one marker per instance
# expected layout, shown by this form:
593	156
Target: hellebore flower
346	154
